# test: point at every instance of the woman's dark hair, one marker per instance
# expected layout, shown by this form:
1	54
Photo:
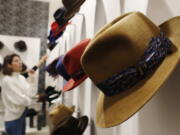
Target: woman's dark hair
8	60
1	45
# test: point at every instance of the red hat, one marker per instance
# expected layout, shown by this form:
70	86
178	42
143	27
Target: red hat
73	66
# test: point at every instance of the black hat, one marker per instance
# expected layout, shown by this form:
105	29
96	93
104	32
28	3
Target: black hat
71	126
1	45
49	95
20	46
51	45
59	16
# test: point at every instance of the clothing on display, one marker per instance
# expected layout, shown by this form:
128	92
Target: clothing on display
72	125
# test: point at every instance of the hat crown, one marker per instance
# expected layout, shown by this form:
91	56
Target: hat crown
60	113
71	3
61	69
122	47
72	58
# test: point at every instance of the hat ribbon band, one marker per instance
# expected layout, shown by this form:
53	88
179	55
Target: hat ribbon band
158	48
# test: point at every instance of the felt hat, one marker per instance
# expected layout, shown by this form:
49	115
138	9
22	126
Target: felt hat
72	7
128	60
51	68
71	126
51	45
60	113
59	16
20	46
73	66
61	69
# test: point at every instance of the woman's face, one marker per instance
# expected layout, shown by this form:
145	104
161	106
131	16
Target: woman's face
16	64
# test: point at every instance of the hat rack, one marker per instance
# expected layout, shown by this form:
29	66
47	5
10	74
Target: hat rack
63	99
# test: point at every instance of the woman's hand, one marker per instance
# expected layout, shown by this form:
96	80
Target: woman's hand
31	72
43	60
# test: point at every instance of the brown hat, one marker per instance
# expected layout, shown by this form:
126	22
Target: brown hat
129	60
71	126
72	7
60	113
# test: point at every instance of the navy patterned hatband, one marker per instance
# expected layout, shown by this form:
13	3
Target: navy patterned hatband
158	49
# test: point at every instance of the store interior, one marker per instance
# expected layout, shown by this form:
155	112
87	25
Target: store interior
32	21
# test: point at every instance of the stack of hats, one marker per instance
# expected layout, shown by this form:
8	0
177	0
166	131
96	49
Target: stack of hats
64	123
129	59
62	17
69	66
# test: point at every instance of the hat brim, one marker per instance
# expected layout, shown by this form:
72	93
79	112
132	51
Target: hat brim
72	11
170	27
58	118
73	83
111	111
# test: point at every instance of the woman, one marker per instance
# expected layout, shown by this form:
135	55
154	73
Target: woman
16	94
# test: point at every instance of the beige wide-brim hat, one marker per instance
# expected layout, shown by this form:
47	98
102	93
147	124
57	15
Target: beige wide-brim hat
60	113
117	46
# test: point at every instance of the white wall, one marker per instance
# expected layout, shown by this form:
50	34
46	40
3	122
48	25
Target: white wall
161	115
